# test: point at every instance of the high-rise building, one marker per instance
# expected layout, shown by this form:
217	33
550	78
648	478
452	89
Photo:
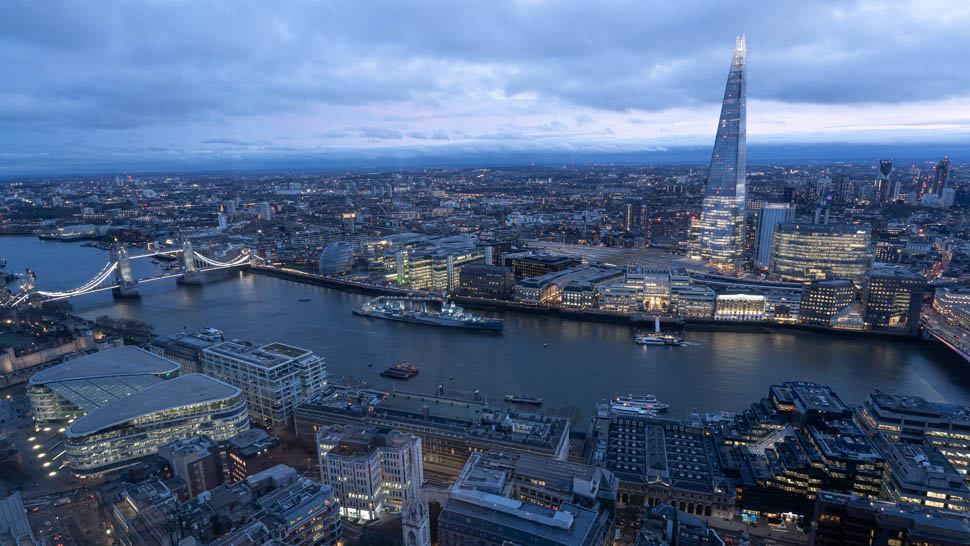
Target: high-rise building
223	221
628	217
948	197
808	252
885	181
941	174
274	378
772	214
722	216
892	299
265	211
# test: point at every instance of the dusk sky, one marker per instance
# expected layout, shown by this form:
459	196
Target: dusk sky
169	84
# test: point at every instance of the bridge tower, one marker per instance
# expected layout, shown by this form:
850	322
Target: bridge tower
127	285
191	273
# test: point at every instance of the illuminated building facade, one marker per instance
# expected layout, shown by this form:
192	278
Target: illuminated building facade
722	216
369	469
892	299
125	430
274	378
822	300
810	252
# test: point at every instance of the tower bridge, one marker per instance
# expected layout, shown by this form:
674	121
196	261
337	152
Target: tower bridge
117	276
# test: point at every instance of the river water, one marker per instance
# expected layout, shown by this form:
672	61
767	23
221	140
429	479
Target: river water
582	363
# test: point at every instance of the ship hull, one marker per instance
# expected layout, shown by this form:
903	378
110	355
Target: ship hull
487	326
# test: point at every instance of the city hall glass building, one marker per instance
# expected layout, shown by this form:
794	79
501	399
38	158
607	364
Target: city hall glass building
125	430
722	215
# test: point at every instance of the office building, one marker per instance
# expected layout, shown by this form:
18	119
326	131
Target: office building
946	300
274	378
196	460
885	180
739	305
941	175
486	281
772	214
722	216
849	520
822	301
250	452
892	299
186	346
265	211
528	264
485	507
920	474
810	252
913	419
664	525
368	468
275	506
662	461
223	222
948	197
125	430
337	258
82	385
449	428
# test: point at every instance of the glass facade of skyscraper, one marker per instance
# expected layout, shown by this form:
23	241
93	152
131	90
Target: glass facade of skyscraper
722	216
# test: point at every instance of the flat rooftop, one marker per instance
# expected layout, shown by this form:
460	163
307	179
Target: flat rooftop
254	356
182	391
120	361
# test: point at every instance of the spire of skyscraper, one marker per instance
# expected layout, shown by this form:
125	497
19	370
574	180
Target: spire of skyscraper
722	217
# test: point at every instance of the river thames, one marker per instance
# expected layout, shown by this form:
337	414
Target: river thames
566	362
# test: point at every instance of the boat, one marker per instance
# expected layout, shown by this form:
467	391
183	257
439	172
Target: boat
304	299
641	401
154	261
658	337
522	399
401	370
450	315
3	262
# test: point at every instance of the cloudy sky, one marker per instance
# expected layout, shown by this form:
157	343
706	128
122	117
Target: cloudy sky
131	84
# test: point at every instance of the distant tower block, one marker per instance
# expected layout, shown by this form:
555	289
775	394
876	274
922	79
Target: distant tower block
127	285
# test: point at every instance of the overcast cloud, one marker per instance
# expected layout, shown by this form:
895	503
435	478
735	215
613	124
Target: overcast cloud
116	83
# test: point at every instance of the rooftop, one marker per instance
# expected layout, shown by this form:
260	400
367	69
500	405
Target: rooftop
182	391
254	356
121	361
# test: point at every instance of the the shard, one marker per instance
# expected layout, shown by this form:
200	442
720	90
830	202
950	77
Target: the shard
722	216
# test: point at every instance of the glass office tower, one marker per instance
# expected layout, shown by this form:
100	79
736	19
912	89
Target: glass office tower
722	216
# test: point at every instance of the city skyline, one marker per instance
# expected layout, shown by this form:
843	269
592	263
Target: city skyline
301	87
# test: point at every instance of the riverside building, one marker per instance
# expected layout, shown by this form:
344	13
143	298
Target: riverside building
809	252
822	301
892	299
125	430
274	378
450	429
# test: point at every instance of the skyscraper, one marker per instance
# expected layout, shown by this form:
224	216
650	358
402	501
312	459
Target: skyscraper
885	170
722	216
771	215
942	173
